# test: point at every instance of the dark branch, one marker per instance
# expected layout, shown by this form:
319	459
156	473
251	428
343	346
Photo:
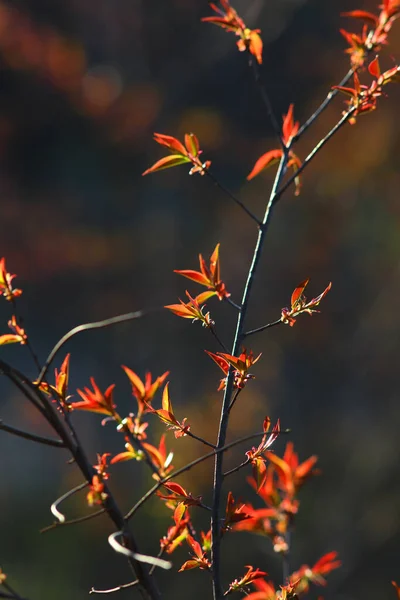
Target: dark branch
31	436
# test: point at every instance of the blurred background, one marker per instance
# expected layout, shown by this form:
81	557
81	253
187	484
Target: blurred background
83	87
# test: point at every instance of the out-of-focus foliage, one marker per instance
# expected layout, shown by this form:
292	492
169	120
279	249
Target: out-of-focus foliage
84	86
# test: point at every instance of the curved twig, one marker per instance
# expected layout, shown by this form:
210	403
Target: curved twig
87	327
144	558
73	521
54	507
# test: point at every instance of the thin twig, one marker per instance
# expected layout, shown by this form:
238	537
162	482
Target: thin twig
331	95
31	436
220	342
255	67
232	196
88	327
238	468
54	507
234	398
143	558
124	586
252	331
57	524
200	439
232	303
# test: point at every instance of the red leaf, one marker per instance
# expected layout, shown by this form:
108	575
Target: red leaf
361	14
265	161
298	291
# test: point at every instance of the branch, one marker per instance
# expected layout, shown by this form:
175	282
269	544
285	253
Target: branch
147	586
331	95
259	329
88	327
238	468
31	436
232	196
115	589
53	508
265	98
73	521
223	426
151	560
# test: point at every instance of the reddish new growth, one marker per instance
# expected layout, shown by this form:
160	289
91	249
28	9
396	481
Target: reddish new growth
181	154
256	455
363	98
178	532
96	493
18	335
289	131
6	278
96	401
199	559
251	575
374	32
144	392
241	364
300	305
279	488
302	578
59	390
229	19
166	414
160	458
193	309
208	276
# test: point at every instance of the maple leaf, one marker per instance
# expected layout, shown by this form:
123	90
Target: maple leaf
6	278
96	401
208	276
289	131
235	512
300	305
17	337
229	20
144	392
316	574
181	154
178	532
166	414
199	559
255	454
193	309
178	495
292	474
251	575
241	364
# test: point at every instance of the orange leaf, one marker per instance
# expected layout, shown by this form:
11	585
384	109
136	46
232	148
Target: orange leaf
167	162
265	161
